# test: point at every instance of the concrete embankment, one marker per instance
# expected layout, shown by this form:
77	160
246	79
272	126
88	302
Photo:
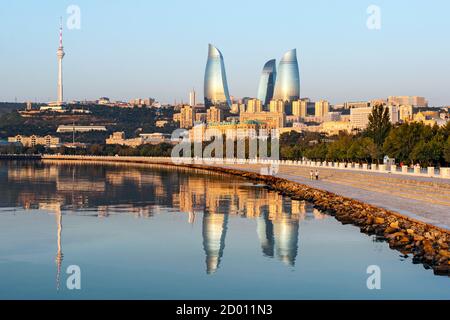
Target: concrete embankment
429	244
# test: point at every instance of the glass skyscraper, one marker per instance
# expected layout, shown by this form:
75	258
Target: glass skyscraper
216	87
287	87
267	82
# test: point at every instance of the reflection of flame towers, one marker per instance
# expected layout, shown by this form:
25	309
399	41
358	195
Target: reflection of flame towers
214	233
286	239
280	236
265	234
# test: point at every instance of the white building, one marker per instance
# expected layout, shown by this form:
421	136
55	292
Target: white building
359	117
192	98
68	128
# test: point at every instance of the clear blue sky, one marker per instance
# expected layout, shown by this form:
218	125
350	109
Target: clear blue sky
143	48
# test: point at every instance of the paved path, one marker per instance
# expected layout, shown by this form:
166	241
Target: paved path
426	199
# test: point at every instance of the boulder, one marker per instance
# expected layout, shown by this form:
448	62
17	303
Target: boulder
394	225
379	220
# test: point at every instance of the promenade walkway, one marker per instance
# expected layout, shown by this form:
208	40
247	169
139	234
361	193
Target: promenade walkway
426	199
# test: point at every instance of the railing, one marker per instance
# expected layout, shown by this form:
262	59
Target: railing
381	168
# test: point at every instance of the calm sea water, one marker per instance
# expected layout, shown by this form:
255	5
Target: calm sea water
140	232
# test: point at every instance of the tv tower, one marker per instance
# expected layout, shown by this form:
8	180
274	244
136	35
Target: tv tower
60	54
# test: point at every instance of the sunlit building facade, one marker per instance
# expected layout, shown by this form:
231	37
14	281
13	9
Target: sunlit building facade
254	105
287	87
267	82
216	87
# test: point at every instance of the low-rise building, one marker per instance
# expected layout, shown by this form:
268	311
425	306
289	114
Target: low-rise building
119	139
405	113
52	108
155	138
161	123
429	118
356	104
268	120
68	128
332	128
231	130
103	101
414	101
31	141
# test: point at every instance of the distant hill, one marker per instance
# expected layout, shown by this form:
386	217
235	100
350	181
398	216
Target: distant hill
7	107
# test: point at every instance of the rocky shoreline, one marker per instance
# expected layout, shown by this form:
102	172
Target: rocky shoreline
428	244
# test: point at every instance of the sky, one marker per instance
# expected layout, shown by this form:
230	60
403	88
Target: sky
138	48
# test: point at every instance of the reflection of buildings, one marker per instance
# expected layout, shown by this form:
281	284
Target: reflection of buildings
277	218
214	233
264	229
59	254
286	239
131	191
55	207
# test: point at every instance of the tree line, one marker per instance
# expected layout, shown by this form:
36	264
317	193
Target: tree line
408	143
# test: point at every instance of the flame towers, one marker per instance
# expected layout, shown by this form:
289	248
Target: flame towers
267	82
216	87
287	87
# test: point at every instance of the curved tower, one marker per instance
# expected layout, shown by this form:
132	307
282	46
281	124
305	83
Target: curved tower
216	87
267	82
287	87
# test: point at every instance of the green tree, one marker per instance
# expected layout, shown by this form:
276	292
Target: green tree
317	152
402	140
447	151
379	124
363	150
337	151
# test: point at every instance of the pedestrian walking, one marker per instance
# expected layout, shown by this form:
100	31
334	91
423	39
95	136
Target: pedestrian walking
317	174
311	175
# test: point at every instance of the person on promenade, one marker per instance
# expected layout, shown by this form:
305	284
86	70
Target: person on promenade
317	174
311	174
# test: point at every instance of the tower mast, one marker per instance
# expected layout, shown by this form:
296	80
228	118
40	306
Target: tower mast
60	54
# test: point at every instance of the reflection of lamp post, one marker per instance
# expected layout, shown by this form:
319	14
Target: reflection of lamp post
191	217
59	254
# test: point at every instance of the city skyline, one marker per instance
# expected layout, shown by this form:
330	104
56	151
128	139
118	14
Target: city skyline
112	59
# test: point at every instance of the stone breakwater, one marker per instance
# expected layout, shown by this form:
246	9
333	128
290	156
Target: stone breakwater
428	244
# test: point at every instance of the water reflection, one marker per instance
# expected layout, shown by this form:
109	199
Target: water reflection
105	190
214	233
